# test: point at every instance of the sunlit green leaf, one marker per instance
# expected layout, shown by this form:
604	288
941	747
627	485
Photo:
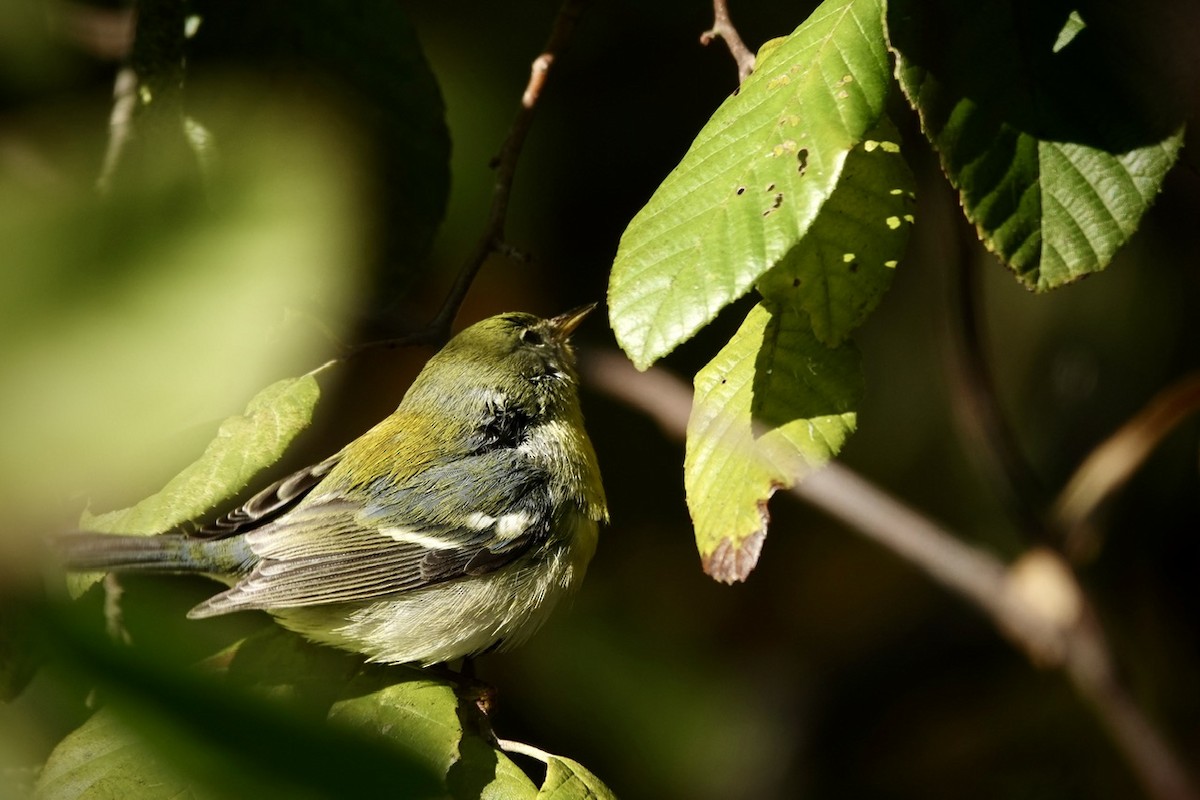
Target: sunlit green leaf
101	760
753	181
243	446
570	780
772	404
843	265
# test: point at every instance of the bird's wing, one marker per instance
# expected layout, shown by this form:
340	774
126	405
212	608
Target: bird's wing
468	517
269	504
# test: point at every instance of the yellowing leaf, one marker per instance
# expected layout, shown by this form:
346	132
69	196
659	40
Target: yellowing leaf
772	404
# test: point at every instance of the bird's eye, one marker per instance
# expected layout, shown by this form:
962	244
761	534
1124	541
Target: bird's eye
530	336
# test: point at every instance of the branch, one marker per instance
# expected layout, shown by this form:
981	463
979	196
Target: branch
1112	464
491	240
1036	601
723	29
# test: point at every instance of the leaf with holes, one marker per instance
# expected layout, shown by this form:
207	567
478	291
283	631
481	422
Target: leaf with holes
845	263
774	403
1056	143
753	181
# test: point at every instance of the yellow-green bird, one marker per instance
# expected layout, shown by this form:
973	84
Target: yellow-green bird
450	528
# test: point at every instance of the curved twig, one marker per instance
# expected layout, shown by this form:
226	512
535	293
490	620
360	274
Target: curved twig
1116	459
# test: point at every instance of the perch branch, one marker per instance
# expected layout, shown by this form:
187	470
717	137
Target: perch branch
1036	601
722	28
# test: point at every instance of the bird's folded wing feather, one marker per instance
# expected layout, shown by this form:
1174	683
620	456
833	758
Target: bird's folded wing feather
269	504
334	548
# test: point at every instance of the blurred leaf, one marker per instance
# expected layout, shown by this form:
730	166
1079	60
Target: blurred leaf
1055	155
20	654
244	445
102	761
753	181
839	271
214	735
125	321
772	404
570	780
364	57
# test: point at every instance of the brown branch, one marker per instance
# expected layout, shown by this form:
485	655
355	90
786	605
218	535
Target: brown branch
723	29
1113	462
1036	601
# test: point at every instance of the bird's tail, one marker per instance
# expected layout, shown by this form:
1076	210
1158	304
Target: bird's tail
105	552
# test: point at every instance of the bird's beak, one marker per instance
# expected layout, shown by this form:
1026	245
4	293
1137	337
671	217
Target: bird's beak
562	326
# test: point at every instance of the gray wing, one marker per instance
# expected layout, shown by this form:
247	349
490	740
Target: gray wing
331	549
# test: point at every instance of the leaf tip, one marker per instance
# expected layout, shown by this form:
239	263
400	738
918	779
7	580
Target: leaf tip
731	561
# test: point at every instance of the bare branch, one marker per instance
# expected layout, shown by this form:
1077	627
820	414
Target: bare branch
723	29
491	239
1110	465
1036	601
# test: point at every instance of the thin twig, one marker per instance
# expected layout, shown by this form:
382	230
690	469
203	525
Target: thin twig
1036	602
996	451
491	239
723	29
120	126
1114	461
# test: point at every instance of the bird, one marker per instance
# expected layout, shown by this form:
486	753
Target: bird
451	528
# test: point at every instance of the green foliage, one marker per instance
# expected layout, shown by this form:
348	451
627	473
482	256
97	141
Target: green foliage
1054	161
773	401
1054	172
285	719
570	780
753	182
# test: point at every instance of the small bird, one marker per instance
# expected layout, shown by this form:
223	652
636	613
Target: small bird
451	528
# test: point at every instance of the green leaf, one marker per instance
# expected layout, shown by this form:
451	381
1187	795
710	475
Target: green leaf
101	760
1055	151
442	730
244	446
841	268
753	181
570	780
772	404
